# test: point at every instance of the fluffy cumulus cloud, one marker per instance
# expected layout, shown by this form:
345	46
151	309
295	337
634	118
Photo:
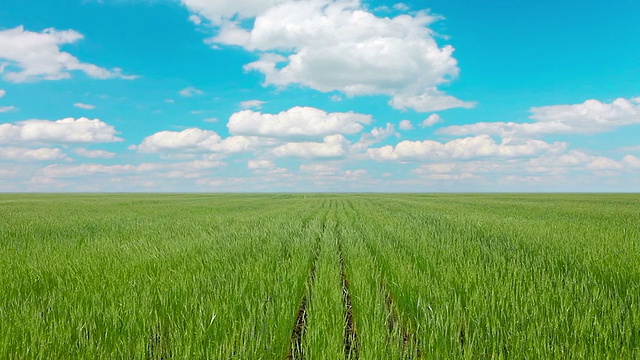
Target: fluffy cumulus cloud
94	154
31	56
260	164
579	160
338	45
63	131
196	140
2	93
26	154
590	117
332	146
192	138
300	132
405	125
465	148
296	122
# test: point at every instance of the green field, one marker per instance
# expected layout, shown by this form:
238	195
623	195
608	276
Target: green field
320	276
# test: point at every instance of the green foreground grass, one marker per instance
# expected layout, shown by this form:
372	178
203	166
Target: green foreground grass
306	276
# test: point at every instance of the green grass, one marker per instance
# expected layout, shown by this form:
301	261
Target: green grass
224	276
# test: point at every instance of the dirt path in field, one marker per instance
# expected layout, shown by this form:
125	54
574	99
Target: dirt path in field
410	342
296	349
350	333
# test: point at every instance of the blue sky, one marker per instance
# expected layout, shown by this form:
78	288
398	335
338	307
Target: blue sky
319	95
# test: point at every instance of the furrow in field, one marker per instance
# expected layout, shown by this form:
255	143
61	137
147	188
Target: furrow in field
324	333
391	332
410	343
350	333
296	350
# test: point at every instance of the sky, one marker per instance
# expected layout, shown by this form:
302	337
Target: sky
319	95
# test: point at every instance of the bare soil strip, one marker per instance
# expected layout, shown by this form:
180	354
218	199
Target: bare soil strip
409	340
350	334
296	351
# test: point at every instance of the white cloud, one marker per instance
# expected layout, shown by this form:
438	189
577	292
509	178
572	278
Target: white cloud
319	169
430	100
221	11
163	169
579	160
67	130
84	106
405	125
431	120
443	168
337	45
190	91
197	140
2	93
260	164
373	137
94	154
188	139
296	122
35	56
7	109
590	117
333	146
324	172
401	7
466	148
195	19
251	104
631	161
22	154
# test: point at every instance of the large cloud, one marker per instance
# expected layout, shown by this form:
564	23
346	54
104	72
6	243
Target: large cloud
466	148
296	122
590	117
37	56
331	45
67	130
196	140
25	154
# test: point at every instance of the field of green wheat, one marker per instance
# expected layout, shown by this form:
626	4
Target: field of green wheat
319	276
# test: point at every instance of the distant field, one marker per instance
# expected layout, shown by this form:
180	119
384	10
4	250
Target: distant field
320	276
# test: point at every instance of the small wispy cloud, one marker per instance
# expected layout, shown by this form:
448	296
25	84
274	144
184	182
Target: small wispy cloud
195	19
431	120
7	109
252	104
405	125
84	106
190	91
401	7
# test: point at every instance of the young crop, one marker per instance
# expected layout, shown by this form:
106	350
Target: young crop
322	276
